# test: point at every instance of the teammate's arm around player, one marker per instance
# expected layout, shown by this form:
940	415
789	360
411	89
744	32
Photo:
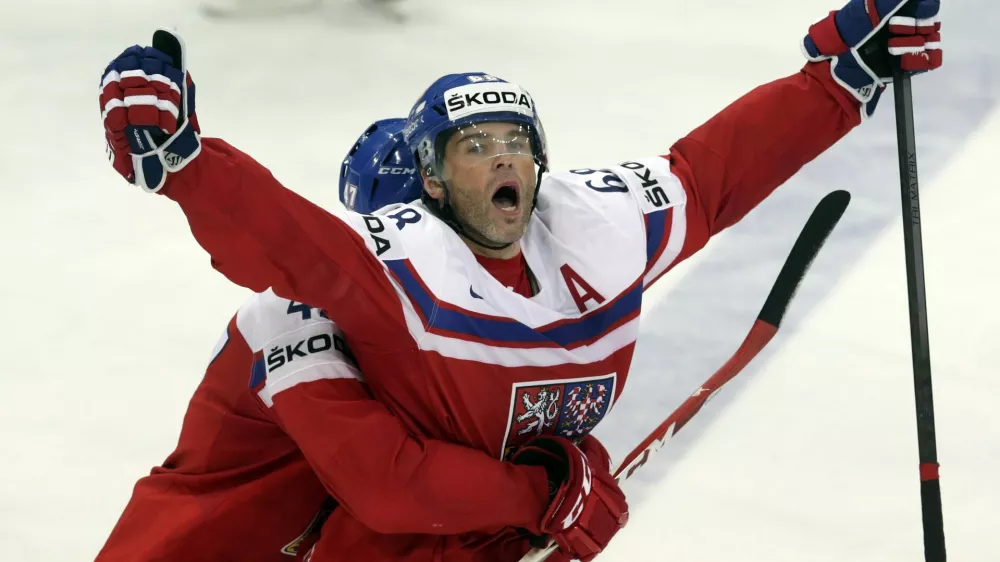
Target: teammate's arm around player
390	479
245	459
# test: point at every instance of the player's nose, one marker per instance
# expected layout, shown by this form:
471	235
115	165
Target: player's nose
503	161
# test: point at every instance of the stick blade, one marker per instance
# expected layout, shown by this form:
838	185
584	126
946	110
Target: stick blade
818	227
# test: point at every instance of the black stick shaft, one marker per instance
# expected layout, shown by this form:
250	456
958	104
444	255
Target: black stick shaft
930	486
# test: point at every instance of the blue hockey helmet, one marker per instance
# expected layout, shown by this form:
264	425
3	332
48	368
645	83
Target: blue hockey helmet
379	169
460	102
457	100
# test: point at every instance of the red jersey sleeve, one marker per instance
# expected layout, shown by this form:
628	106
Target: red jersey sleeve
395	482
732	162
261	234
388	478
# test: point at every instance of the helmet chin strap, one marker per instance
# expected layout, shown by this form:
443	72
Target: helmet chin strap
478	240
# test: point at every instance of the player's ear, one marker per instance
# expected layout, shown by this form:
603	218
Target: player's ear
432	186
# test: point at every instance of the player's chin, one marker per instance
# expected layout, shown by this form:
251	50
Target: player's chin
509	229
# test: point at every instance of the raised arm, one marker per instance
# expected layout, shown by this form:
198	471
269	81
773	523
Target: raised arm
719	172
736	159
261	234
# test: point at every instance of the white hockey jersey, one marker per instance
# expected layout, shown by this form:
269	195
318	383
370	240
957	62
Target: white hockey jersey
595	240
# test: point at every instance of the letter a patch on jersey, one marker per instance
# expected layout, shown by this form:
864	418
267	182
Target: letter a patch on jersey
569	408
579	289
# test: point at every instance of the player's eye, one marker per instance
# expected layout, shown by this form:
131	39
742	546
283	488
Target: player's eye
519	145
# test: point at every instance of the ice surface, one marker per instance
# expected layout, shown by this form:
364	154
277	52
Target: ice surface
111	309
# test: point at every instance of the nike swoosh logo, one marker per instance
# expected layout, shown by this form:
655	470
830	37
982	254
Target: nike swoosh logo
473	293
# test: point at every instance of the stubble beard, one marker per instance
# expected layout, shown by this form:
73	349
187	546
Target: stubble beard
478	216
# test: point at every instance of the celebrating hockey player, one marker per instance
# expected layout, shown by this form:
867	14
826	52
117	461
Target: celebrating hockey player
500	311
237	468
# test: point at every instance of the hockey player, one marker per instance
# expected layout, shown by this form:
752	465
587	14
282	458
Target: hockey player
501	311
238	487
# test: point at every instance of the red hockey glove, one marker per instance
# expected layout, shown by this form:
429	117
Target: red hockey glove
147	104
865	38
587	507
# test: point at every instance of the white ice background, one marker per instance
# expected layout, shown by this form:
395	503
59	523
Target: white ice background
110	309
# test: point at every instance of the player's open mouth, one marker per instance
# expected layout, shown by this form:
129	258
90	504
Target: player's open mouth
506	197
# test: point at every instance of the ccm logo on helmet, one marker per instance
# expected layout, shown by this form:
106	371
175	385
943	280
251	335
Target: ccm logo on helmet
396	171
487	97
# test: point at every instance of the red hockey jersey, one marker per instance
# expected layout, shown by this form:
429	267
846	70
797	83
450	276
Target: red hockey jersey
450	351
238	487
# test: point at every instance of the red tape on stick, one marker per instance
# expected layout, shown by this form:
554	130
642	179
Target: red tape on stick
929	471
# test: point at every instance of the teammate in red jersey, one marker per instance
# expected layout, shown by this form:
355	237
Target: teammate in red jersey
455	353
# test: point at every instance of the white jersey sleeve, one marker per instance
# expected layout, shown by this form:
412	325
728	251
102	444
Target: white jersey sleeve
642	190
663	203
292	343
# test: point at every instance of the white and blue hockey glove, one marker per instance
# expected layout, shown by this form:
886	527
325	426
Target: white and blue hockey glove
147	105
864	38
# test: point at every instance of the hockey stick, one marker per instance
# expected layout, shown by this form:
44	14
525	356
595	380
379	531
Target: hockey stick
930	485
814	234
